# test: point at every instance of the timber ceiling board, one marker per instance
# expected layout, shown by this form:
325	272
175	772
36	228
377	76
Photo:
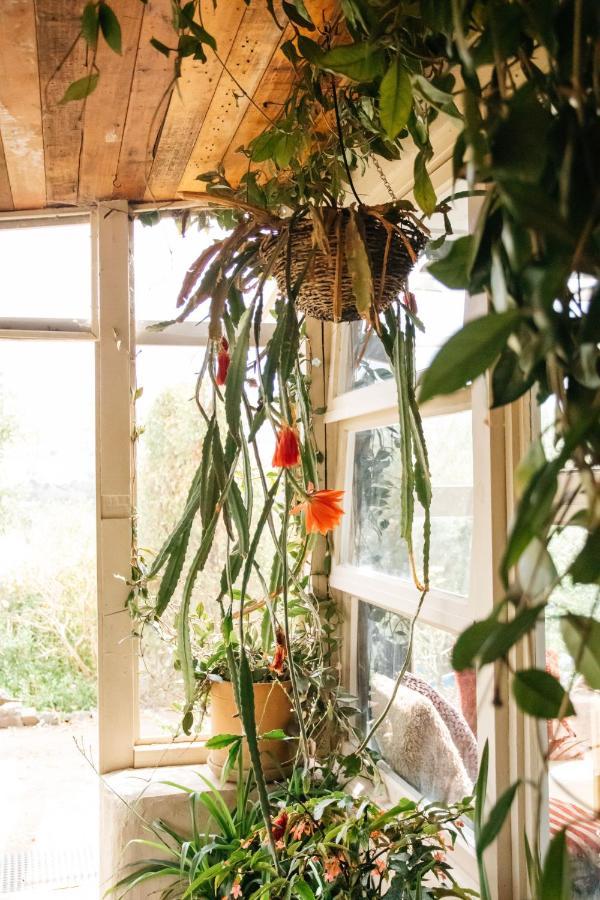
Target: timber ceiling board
137	136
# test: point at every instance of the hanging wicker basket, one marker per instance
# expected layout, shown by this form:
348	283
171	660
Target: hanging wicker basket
317	257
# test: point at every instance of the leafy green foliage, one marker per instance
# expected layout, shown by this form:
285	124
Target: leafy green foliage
539	694
109	26
395	99
331	845
581	635
467	354
80	89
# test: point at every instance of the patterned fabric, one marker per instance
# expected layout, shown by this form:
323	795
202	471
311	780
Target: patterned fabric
415	742
583	831
454	721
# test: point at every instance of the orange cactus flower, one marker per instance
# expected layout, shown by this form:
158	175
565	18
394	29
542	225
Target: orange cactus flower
322	510
223	360
333	868
280	652
287	450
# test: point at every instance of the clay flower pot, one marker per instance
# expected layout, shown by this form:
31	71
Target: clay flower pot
274	709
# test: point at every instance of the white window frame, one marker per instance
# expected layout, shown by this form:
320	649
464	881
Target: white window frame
499	438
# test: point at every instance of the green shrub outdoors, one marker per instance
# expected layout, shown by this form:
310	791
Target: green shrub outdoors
47	644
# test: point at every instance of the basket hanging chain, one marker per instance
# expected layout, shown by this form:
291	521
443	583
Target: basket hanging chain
384	178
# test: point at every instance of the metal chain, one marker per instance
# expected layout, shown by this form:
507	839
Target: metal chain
383	177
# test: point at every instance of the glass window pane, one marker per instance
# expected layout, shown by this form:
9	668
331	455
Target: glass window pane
574	743
425	737
46	271
167	455
162	256
375	541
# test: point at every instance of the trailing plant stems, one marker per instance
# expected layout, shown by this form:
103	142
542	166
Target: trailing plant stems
286	623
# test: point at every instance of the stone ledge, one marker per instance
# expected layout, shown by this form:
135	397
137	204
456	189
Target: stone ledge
131	797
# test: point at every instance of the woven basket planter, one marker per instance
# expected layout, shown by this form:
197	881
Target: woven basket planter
316	293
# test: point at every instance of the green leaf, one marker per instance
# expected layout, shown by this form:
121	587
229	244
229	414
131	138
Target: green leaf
81	88
277	734
470	642
509	382
90	24
468	354
480	798
581	635
506	634
586	566
453	268
158	45
423	189
395	99
518	145
435	96
556	880
237	375
296	12
541	695
496	818
360	62
302	890
359	267
221	740
110	27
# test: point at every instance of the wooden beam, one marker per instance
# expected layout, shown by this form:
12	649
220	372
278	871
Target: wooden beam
57	28
106	108
191	100
245	66
148	102
20	105
6	200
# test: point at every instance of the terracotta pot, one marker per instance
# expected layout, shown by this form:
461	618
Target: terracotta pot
274	709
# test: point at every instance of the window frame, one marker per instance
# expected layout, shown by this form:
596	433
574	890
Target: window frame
500	437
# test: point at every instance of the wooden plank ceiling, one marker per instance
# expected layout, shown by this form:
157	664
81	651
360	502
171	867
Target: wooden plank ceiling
135	137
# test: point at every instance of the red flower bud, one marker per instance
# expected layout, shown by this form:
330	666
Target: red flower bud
279	825
280	652
223	360
287	451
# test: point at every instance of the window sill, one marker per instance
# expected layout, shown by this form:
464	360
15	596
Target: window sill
174	753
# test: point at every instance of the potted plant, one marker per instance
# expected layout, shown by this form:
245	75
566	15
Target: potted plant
228	755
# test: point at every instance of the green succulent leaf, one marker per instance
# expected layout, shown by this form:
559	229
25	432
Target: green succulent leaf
359	267
423	188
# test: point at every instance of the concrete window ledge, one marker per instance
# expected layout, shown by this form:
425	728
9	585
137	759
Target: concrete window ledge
132	798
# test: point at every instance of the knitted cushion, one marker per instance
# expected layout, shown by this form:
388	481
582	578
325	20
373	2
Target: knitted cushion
455	722
416	743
